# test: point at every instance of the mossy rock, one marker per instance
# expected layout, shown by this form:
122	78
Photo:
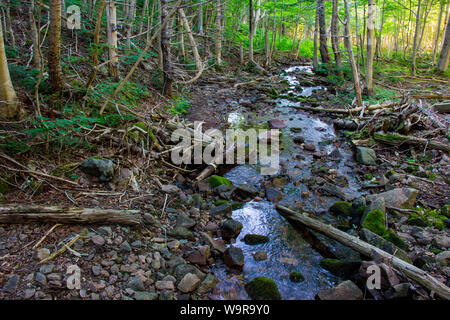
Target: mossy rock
234	205
263	288
340	268
395	239
252	239
359	212
375	221
445	210
343	208
296	277
416	220
215	181
439	224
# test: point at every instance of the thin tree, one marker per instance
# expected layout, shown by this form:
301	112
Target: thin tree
445	52
316	39
165	50
370	48
323	35
438	29
416	34
335	38
54	54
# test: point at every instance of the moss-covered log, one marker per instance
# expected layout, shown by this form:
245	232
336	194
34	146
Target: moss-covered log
395	139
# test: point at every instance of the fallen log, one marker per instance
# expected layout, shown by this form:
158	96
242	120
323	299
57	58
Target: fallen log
396	139
348	111
369	250
443	107
70	215
431	96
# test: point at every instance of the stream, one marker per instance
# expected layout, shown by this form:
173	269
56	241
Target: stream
286	250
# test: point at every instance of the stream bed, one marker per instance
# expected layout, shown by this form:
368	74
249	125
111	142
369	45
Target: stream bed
286	250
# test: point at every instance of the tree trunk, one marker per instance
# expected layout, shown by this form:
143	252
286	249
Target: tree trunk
378	47
250	37
165	50
445	52
130	20
335	38
35	38
438	30
316	39
325	56
112	39
54	55
370	53
9	105
416	33
351	58
219	31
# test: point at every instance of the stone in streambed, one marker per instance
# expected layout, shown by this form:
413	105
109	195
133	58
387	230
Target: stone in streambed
263	288
189	283
346	290
181	233
215	181
343	208
252	239
366	156
230	229
259	256
341	268
397	198
296	277
101	168
234	257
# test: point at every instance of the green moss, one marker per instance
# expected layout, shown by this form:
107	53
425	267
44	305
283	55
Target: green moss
340	268
341	208
435	250
391	236
445	210
234	205
389	173
296	277
439	224
253	239
263	288
215	181
375	221
368	176
360	211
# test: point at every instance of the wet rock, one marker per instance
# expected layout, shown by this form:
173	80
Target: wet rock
246	191
299	139
377	204
216	181
47	268
150	219
399	291
383	244
200	256
252	239
181	233
335	154
335	191
309	147
441	241
346	290
40	279
208	283
105	231
212	227
125	247
273	194
343	208
366	156
137	244
222	210
296	277
184	221
259	256
144	295
98	240
276	124
443	258
341	268
234	257
397	198
101	168
263	288
230	229
11	284
189	283
183	269
173	263
388	277
29	293
375	221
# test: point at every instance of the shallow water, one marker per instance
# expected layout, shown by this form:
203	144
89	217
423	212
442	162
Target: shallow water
287	251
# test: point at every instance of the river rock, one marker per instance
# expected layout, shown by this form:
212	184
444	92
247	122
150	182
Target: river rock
399	291
388	277
341	268
164	285
101	168
136	284
183	269
366	156
11	284
276	124
189	283
200	256
144	295
443	258
208	283
273	194
383	244
230	229
234	257
222	210
259	256
343	208
246	190
398	198
262	288
184	221
252	239
181	233
346	290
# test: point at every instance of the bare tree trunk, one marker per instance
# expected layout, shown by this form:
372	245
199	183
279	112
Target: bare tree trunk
144	13
416	33
112	39
295	33
130	20
9	105
323	35
438	30
165	50
274	33
98	27
198	61
250	38
370	53
54	55
219	31
35	37
358	43
348	44
200	19
445	52
316	39
335	38
378	46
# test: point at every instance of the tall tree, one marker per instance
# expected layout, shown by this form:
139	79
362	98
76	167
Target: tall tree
219	31
250	28
438	29
445	52
370	47
316	39
416	34
323	34
165	50
335	38
111	29
54	55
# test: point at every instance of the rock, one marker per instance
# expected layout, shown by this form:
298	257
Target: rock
200	256
43	253
262	288
11	285
173	263
273	194
222	210
343	208
47	268
183	269
246	190
105	231
40	279
375	221
299	139
136	284
230	229
151	220
144	295
174	245
309	147
98	240
399	291
170	188
341	268
252	239
259	256
189	283
215	181
125	247
137	244
397	198
101	168
212	227
388	277
443	258
366	156
335	191
346	290
276	124
335	154
181	233
296	277
441	241
208	284
234	257
164	285
184	221
29	293
383	244
377	204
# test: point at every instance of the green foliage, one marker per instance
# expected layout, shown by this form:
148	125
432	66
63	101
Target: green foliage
215	181
13	146
180	106
21	76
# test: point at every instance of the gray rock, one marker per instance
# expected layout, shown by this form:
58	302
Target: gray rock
181	233
443	258
441	241
399	291
230	229
136	244
101	168
29	293
184	221
47	268
208	284
183	269
98	240
144	295
136	284
125	247
105	231
43	253
377	204
346	290
273	194
234	257
259	256
246	190
40	279
383	244
189	283
164	285
366	156
222	210
173	263
151	220
11	284
398	198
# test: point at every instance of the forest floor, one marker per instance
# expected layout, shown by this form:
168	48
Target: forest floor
171	256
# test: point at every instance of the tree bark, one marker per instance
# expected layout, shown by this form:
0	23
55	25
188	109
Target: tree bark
325	56
370	48
112	39
445	52
219	31
335	39
438	30
316	39
54	55
416	33
250	37
165	50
